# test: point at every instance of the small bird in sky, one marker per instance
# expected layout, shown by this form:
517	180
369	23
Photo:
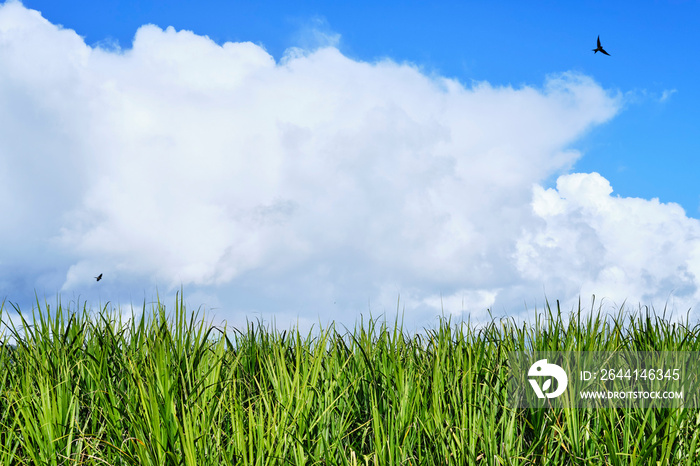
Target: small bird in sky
99	277
600	48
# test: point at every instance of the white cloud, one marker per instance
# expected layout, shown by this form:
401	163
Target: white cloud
667	93
314	33
591	242
313	186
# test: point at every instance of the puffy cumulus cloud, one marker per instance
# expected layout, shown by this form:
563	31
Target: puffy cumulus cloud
623	249
314	186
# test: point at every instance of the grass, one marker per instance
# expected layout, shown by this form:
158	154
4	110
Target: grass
168	389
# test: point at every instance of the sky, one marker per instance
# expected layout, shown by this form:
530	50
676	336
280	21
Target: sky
302	163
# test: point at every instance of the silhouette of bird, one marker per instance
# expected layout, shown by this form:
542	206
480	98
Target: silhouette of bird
99	277
600	48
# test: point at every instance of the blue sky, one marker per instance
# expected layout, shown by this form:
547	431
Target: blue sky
525	89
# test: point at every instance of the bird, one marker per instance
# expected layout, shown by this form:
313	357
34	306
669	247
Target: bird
99	277
600	48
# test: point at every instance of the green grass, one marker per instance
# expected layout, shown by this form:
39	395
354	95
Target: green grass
168	389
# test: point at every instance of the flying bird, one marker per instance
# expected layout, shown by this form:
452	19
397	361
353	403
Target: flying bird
600	48
99	277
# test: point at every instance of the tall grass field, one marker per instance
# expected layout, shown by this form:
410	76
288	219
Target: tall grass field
79	387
